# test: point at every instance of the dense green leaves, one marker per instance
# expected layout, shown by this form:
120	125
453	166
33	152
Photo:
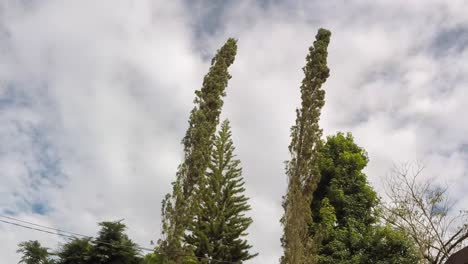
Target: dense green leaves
346	222
303	170
111	246
77	251
204	118
388	245
152	258
220	224
343	183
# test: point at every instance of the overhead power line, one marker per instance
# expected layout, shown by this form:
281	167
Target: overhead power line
46	227
37	229
72	235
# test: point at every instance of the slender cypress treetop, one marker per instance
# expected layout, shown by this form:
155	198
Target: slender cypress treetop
204	118
303	169
219	227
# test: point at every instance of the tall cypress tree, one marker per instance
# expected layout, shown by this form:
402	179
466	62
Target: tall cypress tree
303	168
219	227
204	118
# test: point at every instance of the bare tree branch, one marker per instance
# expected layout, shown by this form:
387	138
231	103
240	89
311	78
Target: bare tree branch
423	210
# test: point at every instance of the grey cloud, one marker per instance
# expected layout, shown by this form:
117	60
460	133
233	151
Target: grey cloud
450	40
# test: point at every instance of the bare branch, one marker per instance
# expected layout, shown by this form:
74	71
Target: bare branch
424	211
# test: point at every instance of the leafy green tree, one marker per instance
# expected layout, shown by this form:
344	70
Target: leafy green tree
387	245
303	170
33	253
346	221
219	227
112	246
343	183
156	258
76	251
152	258
204	118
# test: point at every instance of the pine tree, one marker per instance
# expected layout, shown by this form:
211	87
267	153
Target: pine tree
219	227
302	170
204	118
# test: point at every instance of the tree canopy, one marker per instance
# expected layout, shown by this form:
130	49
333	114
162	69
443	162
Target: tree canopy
33	253
346	220
111	246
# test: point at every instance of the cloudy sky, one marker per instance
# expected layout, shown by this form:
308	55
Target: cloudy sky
95	96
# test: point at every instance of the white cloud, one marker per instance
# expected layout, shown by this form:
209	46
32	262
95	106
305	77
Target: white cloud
109	86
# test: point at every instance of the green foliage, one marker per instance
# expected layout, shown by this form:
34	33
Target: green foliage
112	246
77	251
33	253
204	118
152	258
343	182
327	216
303	170
346	222
220	224
389	245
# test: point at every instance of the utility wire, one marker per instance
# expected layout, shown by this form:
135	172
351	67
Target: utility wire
37	229
46	227
72	237
60	233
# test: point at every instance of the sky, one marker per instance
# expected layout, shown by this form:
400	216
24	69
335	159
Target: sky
95	97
